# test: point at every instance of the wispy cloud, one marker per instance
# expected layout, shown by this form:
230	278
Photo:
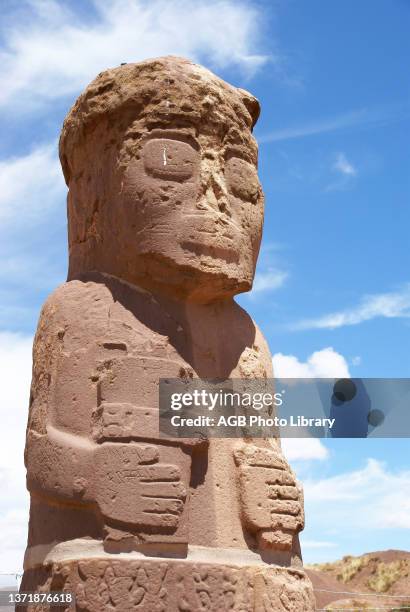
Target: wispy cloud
363	498
343	166
388	305
50	50
356	118
271	272
345	171
371	500
269	280
30	184
32	233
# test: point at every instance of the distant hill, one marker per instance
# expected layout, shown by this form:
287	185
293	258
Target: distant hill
378	573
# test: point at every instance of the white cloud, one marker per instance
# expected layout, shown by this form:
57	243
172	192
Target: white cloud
388	305
363	117
32	230
368	498
15	375
343	166
269	280
30	184
303	449
53	52
326	363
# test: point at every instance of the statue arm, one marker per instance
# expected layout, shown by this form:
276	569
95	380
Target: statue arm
271	497
58	462
78	452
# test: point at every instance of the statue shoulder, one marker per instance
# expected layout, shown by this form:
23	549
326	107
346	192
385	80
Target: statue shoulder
260	339
255	359
75	305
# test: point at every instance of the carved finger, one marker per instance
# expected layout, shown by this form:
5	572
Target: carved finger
269	476
125	455
280	477
278	540
283	492
169	490
163	505
158	472
281	506
286	522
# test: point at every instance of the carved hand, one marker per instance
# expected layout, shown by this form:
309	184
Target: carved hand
132	487
272	504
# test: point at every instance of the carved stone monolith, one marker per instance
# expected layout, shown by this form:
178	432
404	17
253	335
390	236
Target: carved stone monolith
165	215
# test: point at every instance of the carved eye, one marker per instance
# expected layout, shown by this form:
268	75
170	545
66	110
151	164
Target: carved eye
169	160
242	179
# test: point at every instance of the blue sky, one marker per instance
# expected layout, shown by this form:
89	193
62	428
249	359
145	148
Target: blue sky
332	292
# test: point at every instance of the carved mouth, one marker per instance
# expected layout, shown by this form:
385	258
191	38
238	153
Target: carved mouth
227	254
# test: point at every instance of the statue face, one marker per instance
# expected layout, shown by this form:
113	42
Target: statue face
163	186
195	206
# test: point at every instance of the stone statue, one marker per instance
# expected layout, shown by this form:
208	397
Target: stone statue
165	215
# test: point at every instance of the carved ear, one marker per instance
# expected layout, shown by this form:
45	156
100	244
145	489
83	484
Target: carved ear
252	105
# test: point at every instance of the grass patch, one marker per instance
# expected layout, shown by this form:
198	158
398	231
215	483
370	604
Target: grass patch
350	566
387	574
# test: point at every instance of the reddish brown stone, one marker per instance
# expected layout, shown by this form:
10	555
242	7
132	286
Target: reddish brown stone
165	215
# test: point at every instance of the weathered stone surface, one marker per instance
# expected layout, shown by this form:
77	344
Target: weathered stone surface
165	217
173	586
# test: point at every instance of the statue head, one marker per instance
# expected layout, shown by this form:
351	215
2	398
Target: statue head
161	166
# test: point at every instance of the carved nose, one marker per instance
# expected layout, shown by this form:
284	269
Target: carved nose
215	195
220	194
